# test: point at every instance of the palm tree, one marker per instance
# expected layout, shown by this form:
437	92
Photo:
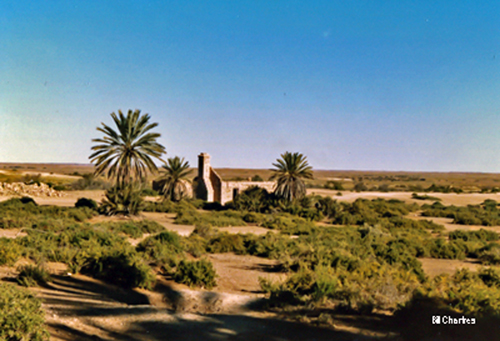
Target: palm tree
289	172
127	154
174	178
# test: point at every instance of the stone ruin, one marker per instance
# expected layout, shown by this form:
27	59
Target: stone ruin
34	190
212	188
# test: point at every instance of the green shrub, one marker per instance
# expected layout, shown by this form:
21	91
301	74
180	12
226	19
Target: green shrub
216	219
33	275
252	199
122	199
439	248
21	315
196	273
205	231
28	200
10	251
481	235
120	267
165	206
490	254
86	202
225	242
164	249
13	213
132	228
470	293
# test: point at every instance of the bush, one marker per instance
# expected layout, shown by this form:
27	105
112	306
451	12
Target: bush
122	268
205	231
164	249
196	273
21	315
490	254
85	202
10	251
134	229
28	200
481	235
216	219
124	200
33	275
225	242
165	206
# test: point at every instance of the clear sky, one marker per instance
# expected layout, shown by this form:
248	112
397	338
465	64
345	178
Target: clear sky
364	85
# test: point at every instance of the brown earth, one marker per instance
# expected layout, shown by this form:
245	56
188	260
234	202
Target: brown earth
81	308
462	199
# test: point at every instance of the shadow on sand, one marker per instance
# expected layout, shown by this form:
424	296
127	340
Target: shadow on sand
90	301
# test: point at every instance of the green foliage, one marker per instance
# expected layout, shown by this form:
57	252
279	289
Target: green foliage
217	219
196	273
443	189
121	267
439	248
10	251
424	197
490	254
21	315
225	242
13	213
33	275
334	185
165	206
132	228
289	224
257	178
371	212
467	292
164	249
486	214
85	202
122	199
173	178
481	235
88	182
253	199
371	286
289	173
127	154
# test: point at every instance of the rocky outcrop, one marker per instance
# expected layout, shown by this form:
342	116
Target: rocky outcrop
34	190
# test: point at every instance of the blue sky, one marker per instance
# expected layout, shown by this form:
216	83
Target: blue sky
365	85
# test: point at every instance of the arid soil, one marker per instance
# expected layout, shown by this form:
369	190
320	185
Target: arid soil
81	308
462	199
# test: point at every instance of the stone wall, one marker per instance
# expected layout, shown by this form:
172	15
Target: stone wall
211	187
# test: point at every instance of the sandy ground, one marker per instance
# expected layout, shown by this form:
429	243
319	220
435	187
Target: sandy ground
434	267
81	308
446	198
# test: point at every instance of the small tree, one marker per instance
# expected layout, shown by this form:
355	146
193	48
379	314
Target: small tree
289	172
128	153
174	178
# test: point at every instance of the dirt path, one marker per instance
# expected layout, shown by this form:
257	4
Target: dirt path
82	308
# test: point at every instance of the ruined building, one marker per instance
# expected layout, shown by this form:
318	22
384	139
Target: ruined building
212	188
